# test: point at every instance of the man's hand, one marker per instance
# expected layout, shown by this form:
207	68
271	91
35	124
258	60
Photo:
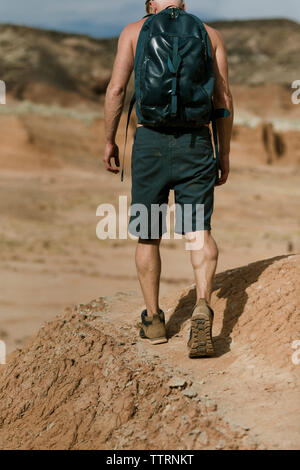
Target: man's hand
111	151
225	168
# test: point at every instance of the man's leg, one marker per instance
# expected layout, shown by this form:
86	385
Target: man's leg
204	261
148	265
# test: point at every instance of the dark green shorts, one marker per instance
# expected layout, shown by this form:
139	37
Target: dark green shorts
165	159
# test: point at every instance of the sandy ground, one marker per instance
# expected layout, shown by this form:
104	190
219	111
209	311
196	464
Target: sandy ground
52	181
86	381
51	256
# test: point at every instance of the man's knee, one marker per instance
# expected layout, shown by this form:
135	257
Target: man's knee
196	240
149	242
203	241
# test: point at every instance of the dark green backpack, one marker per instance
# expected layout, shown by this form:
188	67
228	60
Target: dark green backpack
174	75
174	72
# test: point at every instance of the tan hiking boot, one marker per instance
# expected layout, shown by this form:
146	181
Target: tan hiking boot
200	341
153	329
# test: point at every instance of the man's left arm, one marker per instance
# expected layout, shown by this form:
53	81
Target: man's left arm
115	97
222	98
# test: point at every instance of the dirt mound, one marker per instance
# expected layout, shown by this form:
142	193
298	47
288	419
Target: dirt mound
256	307
264	145
80	384
31	142
34	141
85	381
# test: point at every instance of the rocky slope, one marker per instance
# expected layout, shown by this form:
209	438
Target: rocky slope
85	380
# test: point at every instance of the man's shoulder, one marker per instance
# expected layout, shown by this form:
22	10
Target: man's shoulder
132	28
216	38
214	34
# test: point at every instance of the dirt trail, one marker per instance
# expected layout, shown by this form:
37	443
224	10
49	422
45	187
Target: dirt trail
85	380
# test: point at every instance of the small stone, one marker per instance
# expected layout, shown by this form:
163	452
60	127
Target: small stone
190	393
196	431
176	382
203	438
221	444
211	405
176	398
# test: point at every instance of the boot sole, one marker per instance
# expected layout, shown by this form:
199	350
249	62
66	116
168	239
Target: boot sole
201	343
158	340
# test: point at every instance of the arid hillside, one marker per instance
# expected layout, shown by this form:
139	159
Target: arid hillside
86	380
53	179
262	51
54	67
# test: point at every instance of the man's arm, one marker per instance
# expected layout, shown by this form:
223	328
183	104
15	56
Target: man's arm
115	96
222	98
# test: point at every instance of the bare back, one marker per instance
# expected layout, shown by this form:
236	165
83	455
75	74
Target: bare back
135	29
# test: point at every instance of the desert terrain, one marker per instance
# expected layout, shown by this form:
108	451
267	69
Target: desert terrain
52	181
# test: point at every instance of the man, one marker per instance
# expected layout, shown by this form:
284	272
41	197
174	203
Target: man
150	142
148	7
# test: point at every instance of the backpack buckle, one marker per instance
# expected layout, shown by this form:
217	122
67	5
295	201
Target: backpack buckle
174	11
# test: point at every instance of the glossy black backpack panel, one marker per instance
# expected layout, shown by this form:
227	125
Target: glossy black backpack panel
174	76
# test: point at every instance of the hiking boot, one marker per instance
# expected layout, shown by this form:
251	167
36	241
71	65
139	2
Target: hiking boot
153	329
200	341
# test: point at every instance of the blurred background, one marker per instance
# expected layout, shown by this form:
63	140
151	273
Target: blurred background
56	60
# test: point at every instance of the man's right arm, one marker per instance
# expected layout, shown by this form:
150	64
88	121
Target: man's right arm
115	96
222	98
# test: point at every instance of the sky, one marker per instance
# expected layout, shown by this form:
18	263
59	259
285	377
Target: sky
106	18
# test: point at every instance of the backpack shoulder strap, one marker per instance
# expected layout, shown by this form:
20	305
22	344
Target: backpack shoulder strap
217	114
131	105
139	49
